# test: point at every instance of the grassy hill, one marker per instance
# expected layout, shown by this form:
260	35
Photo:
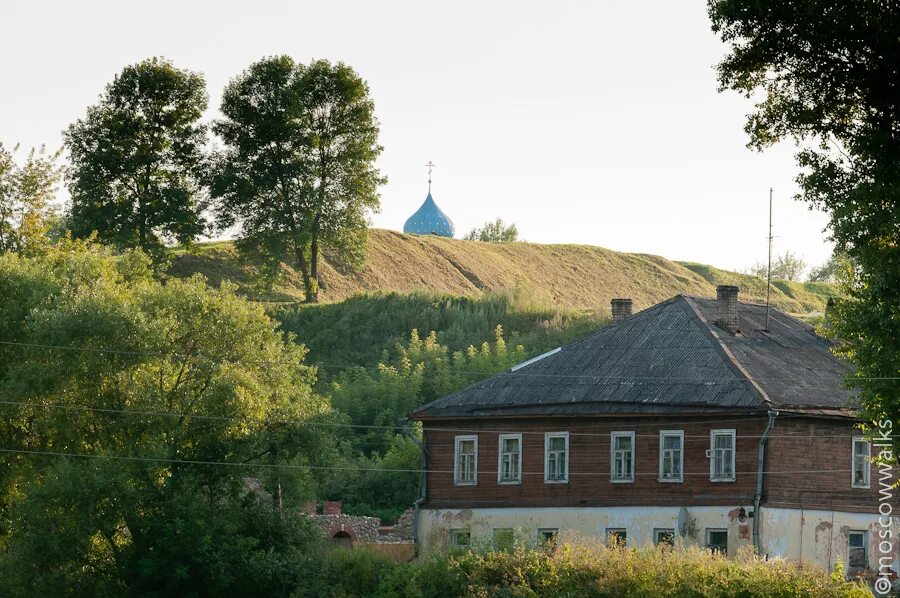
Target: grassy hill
577	277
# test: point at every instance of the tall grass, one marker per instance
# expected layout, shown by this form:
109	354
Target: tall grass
356	332
587	568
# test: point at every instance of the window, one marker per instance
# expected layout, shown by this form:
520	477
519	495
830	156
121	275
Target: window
858	557
622	456
465	470
721	453
717	541
342	539
503	538
616	536
509	459
671	455
861	466
460	538
664	536
556	457
547	536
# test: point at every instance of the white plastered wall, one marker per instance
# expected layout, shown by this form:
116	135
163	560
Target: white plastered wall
819	537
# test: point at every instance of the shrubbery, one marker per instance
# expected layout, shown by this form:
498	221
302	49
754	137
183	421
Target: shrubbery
581	568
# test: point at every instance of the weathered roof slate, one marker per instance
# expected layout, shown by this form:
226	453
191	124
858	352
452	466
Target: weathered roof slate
670	358
791	363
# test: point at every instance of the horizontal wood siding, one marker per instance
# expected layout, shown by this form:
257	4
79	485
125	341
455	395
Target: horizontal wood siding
806	444
795	444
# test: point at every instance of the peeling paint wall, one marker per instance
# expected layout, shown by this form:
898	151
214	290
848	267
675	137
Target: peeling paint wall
819	537
640	522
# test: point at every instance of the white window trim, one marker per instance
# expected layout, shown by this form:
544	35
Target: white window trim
853	462
717	529
712	455
616	530
865	546
456	480
665	530
543	530
500	440
547	437
612	457
454	534
680	434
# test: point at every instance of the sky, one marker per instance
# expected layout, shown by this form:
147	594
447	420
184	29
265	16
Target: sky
595	123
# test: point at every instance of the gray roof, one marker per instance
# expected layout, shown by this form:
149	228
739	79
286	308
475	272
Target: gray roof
670	358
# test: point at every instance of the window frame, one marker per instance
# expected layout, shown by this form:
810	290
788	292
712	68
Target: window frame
456	470
620	531
868	461
680	435
500	453
454	534
712	454
709	530
663	530
865	549
612	457
503	530
543	539
547	437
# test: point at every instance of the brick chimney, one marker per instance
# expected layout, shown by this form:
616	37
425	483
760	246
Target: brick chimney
332	507
621	309
727	314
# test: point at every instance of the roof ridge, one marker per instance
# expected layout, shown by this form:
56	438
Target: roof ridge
615	323
534	361
732	360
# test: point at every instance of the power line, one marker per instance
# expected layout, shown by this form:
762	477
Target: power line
386	470
181	415
695	380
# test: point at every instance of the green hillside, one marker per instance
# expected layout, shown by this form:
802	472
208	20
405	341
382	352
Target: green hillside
578	277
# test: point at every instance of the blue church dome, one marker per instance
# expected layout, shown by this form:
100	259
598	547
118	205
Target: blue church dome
429	220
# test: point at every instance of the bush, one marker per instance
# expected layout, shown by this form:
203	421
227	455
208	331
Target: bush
359	572
581	568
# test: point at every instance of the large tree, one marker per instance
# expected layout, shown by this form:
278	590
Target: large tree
118	392
27	196
787	266
298	171
137	158
827	75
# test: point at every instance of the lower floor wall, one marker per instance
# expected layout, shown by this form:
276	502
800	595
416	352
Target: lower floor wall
820	537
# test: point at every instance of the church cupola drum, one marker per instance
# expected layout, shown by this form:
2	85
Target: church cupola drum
429	219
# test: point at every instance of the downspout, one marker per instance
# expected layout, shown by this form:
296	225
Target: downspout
423	488
760	474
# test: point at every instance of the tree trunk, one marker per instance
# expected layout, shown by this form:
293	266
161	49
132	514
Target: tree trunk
142	226
308	284
313	297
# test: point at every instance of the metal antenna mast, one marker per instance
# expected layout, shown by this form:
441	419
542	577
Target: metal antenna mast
769	268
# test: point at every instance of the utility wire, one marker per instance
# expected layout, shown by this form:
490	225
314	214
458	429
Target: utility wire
325	467
613	427
694	380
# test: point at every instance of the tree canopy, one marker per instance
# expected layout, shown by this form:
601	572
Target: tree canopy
298	171
494	232
826	75
137	158
787	266
838	268
27	200
117	389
